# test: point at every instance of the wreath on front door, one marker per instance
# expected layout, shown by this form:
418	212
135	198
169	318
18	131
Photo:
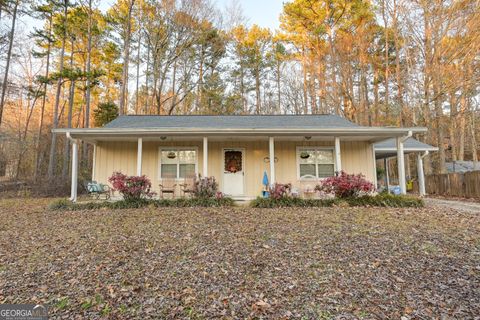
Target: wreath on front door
233	161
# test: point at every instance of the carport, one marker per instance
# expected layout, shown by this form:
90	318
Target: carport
388	149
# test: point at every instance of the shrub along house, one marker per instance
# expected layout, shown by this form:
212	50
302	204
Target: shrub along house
236	150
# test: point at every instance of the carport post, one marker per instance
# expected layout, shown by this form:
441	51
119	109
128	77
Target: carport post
73	196
421	174
401	166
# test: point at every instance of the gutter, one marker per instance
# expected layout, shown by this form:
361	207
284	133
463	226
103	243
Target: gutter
185	131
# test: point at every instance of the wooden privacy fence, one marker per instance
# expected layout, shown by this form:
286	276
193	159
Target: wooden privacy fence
466	185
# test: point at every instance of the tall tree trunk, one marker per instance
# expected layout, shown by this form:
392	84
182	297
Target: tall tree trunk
71	97
9	58
335	94
52	158
398	70
279	93
453	125
463	110
137	85
439	125
473	132
126	61
242	89
426	83
375	95
258	107
147	78
387	62
88	92
44	100
198	99
305	89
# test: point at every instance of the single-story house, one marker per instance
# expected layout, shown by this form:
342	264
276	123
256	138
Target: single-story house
237	150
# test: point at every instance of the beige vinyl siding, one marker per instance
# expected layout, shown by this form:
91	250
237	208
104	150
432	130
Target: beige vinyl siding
357	157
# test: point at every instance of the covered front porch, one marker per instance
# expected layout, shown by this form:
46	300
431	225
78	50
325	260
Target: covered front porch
280	156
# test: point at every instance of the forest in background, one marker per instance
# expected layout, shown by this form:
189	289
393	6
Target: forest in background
378	62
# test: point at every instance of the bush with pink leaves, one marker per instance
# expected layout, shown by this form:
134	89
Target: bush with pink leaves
346	185
132	188
280	190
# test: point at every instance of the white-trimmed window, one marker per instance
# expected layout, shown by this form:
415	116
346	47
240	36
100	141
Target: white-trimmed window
178	163
315	162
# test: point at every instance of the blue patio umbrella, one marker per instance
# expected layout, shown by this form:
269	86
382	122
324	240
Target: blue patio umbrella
265	179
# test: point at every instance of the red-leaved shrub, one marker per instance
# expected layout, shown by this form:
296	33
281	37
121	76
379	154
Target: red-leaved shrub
346	185
132	188
280	190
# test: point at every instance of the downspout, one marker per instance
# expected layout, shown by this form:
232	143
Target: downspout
408	136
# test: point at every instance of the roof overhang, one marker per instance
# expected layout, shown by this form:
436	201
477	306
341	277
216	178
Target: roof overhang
372	134
384	153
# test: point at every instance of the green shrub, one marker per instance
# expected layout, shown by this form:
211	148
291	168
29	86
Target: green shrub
60	204
194	202
387	200
286	202
66	205
381	200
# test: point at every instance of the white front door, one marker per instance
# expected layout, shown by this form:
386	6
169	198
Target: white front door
233	172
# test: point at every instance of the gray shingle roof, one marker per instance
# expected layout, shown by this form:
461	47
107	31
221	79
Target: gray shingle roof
232	122
410	144
461	166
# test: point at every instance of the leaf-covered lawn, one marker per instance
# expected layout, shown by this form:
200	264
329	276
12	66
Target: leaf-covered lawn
241	263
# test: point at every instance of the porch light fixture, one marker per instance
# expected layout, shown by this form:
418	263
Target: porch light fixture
267	159
163	138
171	155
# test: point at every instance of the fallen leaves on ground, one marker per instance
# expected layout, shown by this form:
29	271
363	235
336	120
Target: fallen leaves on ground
231	263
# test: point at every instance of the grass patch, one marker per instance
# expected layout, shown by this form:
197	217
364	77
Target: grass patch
67	205
381	200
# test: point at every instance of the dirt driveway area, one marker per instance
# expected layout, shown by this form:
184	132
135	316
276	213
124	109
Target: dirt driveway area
464	206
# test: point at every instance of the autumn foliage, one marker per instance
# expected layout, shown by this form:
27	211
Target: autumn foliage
132	188
346	185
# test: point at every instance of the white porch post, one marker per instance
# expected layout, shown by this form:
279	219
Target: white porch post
139	156
421	174
205	156
94	161
73	196
375	178
271	144
338	157
401	166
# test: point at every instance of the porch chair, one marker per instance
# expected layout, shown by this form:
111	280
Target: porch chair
96	190
168	185
187	186
307	185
